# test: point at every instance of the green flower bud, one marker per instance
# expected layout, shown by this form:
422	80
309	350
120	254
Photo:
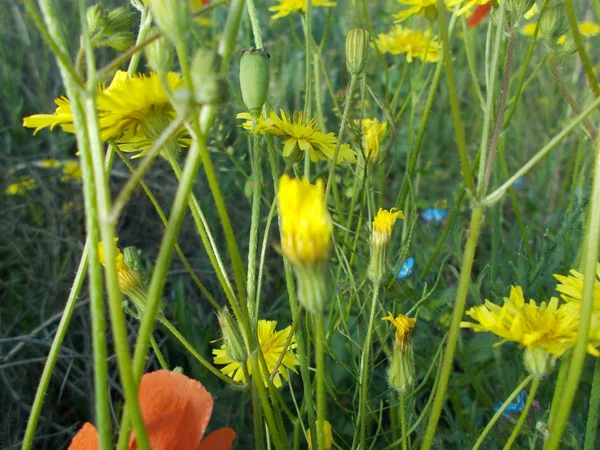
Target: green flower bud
132	256
159	54
357	50
120	19
209	86
516	8
234	344
173	17
97	18
401	372
312	287
121	40
538	361
553	24
254	78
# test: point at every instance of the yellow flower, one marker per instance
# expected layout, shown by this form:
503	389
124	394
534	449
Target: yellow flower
129	279
373	132
134	111
424	7
20	187
466	5
532	12
528	29
271	344
547	326
413	43
287	7
49	163
571	287
328	437
589	29
384	223
71	170
306	225
299	135
404	328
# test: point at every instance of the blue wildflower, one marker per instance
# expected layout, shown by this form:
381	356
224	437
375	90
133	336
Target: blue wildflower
434	214
519	182
515	407
406	268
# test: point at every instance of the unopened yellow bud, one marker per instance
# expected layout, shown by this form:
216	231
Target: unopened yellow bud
254	78
380	240
401	372
357	50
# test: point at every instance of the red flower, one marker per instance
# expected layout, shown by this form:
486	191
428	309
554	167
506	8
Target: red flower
176	411
479	14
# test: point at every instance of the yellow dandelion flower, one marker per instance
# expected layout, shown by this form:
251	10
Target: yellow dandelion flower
287	7
272	345
571	287
71	170
299	135
306	225
404	328
589	29
547	326
413	43
373	132
132	110
21	187
528	29
129	279
423	7
384	223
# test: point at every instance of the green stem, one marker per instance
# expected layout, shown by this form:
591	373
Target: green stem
254	22
592	239
500	411
145	24
499	192
308	55
321	392
161	359
585	60
363	381
403	421
594	411
454	106
254	223
453	334
333	162
517	429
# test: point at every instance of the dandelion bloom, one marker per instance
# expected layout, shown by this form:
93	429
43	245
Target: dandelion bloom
287	7
404	328
176	411
20	187
271	344
372	132
413	43
571	287
306	225
131	110
300	135
424	7
129	279
384	223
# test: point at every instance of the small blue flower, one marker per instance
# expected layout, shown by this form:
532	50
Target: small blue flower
519	182
407	268
515	407
434	214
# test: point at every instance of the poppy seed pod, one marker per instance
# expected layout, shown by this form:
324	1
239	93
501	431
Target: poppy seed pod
357	50
254	78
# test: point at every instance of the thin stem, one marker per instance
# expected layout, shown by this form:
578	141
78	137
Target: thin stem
308	55
254	224
457	313
594	411
321	392
500	411
161	359
517	429
403	421
592	239
363	381
585	60
145	24
340	136
454	106
254	22
499	192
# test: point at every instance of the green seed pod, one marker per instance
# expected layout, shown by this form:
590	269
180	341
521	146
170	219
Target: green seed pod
254	78
234	344
357	50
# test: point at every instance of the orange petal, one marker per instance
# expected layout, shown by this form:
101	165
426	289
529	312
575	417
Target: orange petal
86	438
479	14
176	410
220	439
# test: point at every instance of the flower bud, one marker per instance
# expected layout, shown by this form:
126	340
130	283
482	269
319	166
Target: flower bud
121	40
209	86
254	78
515	9
159	54
553	24
234	344
97	18
380	240
357	50
173	17
312	285
401	372
120	19
538	361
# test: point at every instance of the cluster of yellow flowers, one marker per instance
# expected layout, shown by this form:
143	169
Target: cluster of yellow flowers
412	43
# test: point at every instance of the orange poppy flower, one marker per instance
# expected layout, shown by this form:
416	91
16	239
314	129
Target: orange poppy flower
176	411
481	11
